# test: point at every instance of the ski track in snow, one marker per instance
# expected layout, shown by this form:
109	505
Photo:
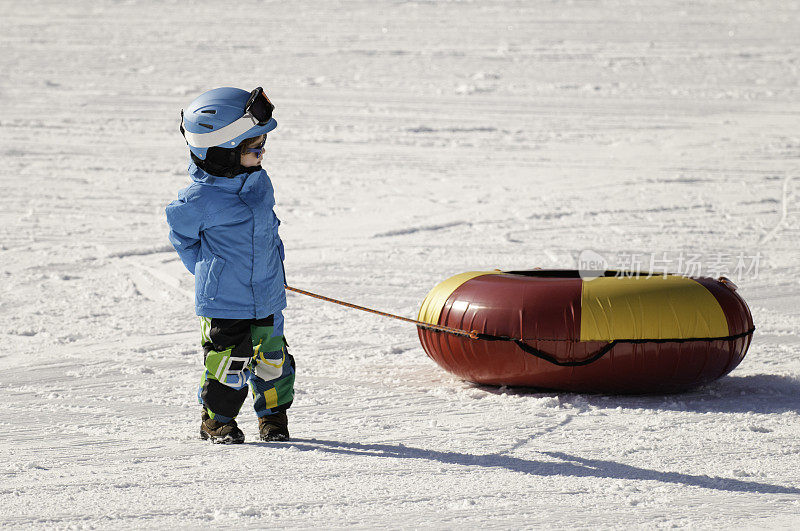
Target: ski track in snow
416	141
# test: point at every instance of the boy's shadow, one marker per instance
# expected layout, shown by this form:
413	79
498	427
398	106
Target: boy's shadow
760	393
570	465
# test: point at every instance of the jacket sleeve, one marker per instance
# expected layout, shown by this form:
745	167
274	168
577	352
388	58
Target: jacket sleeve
185	219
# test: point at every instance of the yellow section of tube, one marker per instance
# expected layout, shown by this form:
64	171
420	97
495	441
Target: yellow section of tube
658	307
432	306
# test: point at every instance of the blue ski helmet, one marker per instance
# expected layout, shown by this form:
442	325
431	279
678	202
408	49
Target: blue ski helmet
225	116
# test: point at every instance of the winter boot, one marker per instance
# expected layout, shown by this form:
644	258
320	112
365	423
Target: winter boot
227	433
274	427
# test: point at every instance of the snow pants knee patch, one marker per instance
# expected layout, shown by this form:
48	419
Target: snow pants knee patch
273	370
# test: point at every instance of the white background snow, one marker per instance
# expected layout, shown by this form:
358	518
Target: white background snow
416	140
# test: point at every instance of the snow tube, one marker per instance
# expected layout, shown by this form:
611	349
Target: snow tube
614	333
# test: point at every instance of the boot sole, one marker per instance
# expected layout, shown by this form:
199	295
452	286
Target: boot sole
221	440
275	437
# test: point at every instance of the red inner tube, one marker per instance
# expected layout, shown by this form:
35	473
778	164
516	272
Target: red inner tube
529	334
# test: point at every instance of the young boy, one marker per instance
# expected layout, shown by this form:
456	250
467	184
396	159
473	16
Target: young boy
226	233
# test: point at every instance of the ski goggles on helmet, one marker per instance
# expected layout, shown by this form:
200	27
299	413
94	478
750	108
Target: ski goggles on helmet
257	113
259	106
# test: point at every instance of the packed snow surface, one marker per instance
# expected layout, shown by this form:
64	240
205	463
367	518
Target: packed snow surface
416	140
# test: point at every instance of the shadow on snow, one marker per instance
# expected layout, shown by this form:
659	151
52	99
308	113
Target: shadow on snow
570	465
756	393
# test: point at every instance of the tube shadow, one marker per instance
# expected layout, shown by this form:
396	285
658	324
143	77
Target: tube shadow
755	393
570	465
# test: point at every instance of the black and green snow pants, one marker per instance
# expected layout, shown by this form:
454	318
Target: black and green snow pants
238	352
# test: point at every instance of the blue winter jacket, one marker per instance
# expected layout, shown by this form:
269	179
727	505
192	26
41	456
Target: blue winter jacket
226	234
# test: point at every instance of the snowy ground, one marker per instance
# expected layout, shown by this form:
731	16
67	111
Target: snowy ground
415	141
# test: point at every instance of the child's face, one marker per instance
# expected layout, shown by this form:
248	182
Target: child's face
250	159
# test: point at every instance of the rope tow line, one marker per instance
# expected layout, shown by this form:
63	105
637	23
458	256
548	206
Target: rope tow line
521	343
456	331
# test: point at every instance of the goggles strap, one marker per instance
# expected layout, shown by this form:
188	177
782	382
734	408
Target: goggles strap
220	136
